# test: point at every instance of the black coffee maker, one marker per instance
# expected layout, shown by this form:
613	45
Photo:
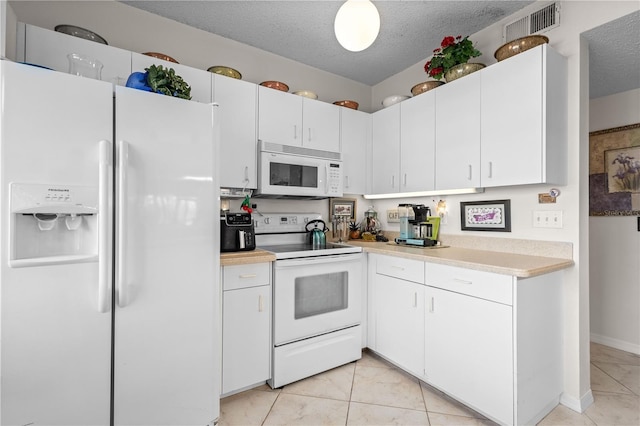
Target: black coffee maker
236	232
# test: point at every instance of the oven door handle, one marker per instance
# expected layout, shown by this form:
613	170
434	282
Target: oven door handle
303	261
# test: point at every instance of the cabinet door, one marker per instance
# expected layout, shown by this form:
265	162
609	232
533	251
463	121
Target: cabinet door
511	130
321	123
355	138
386	150
199	80
238	115
469	351
50	49
245	337
458	133
279	117
399	322
417	143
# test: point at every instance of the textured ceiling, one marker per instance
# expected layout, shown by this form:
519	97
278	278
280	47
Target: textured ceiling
302	30
614	56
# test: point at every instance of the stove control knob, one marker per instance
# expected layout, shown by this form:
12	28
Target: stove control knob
267	220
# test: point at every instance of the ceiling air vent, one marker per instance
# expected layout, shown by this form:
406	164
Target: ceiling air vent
537	22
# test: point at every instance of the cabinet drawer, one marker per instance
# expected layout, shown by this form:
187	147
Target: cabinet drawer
485	285
405	269
243	276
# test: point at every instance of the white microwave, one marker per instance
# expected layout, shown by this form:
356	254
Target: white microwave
289	172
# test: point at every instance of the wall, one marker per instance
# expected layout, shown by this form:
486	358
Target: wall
576	17
615	244
140	31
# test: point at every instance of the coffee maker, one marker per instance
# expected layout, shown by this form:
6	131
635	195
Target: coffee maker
415	228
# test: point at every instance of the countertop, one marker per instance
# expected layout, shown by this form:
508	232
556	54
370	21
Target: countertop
246	257
519	265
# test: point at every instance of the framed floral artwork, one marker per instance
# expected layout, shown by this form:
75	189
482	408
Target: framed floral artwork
486	215
614	171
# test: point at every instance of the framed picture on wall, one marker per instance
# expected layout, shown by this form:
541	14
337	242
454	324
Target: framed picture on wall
486	215
342	207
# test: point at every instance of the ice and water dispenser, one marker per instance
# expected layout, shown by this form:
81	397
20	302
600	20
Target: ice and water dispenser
53	224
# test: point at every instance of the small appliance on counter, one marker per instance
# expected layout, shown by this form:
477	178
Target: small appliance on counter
236	232
416	228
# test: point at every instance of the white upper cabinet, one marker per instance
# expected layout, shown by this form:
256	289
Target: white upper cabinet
50	49
458	133
417	143
355	138
238	115
279	117
385	150
199	80
297	121
523	119
321	125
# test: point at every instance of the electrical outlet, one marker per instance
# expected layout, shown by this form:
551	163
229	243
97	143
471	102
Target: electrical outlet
547	219
392	216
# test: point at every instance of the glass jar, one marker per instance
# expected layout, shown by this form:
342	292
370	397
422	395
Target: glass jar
370	223
84	66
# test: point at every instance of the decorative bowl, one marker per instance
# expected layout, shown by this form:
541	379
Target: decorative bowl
519	45
278	85
226	71
161	56
425	87
306	93
393	99
347	104
461	70
72	30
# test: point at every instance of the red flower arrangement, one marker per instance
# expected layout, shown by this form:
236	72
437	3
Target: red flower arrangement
452	51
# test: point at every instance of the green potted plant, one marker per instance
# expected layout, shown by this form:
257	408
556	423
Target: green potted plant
166	81
450	58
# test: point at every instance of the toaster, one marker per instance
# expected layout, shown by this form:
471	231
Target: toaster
236	232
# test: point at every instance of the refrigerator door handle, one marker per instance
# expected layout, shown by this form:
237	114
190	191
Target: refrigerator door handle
104	170
123	154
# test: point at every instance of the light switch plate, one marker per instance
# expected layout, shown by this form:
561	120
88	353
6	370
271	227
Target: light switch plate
547	219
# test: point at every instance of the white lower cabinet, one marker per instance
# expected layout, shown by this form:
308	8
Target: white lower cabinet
397	322
491	341
246	326
468	350
494	341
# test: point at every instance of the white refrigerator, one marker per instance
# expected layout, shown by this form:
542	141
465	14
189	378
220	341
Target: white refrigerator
109	255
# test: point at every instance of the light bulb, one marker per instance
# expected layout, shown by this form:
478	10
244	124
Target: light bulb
357	24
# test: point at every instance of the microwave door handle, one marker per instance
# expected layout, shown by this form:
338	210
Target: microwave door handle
326	178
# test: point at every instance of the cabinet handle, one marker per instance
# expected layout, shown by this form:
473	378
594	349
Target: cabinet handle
346	181
260	304
295	131
458	280
415	299
490	169
405	179
432	307
397	267
393	181
246	174
469	172
247	276
309	134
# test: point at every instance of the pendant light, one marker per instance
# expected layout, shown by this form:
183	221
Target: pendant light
357	24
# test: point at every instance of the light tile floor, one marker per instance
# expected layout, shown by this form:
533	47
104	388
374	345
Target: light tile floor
371	391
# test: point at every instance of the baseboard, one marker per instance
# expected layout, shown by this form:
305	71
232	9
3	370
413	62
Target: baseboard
616	343
577	405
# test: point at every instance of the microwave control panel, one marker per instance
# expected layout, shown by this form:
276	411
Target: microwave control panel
335	179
